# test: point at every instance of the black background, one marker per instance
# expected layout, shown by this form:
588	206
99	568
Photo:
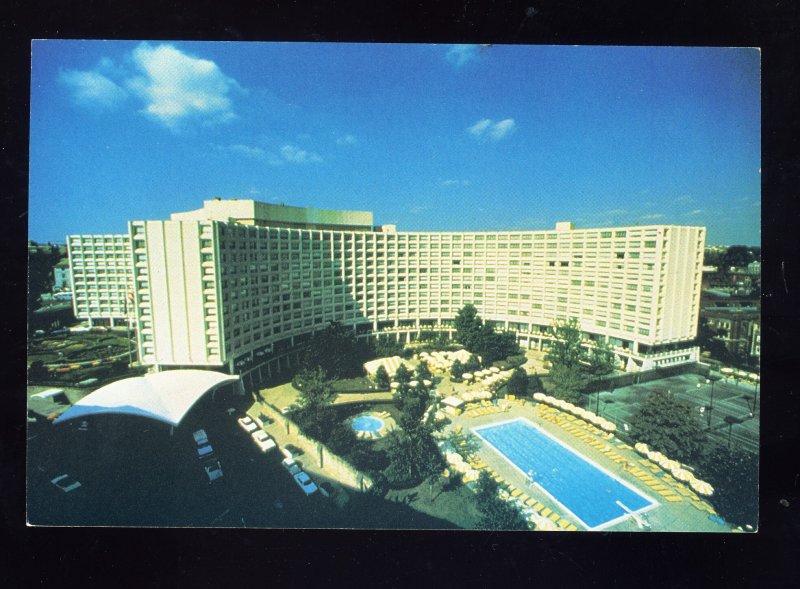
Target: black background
205	558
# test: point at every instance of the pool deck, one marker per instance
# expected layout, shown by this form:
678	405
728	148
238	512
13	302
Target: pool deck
683	511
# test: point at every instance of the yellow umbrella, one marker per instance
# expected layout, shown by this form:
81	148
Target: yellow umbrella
682	474
641	447
702	487
670	464
545	525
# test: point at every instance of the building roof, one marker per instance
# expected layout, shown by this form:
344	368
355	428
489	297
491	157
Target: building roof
164	396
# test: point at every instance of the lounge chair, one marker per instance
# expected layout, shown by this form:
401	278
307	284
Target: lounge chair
546	511
563	524
572	528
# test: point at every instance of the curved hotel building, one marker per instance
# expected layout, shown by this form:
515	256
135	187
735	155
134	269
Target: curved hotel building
239	285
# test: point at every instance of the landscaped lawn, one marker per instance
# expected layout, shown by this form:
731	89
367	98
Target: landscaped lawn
360	384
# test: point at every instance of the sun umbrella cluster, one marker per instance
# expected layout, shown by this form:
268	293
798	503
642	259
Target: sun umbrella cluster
443	361
593	418
457	464
676	468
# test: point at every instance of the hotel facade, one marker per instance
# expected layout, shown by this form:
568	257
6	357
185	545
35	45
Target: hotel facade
240	285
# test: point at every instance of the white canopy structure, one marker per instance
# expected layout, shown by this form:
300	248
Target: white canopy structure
391	364
164	396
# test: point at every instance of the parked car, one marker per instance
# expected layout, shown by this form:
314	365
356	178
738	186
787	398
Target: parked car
213	470
200	437
65	483
290	465
294	450
327	489
248	424
263	420
304	482
263	440
206	450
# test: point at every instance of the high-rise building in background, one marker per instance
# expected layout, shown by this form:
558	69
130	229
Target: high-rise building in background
239	285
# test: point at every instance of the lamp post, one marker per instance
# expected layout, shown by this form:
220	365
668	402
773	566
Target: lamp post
731	420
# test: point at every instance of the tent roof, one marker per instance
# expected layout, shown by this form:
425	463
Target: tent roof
165	396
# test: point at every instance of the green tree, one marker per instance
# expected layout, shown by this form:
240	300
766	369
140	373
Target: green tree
442	340
601	359
457	369
567	382
382	378
670	426
335	350
565	348
473	364
423	372
387	347
518	383
737	256
315	389
40	274
496	514
468	326
413	456
734	476
402	374
535	383
37	371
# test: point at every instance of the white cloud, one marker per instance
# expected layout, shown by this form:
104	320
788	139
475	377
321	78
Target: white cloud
172	85
460	55
651	217
616	212
480	127
502	129
685	199
495	131
455	183
418	210
295	155
696	212
245	150
346	140
175	85
93	88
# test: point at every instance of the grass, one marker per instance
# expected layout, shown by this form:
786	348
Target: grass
359	384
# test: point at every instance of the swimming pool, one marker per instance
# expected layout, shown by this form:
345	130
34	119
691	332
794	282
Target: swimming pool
367	423
587	491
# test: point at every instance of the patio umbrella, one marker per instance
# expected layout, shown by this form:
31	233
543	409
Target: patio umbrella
670	465
427	383
394	385
466	376
413	383
682	475
539	396
655	456
545	525
641	447
702	487
494	369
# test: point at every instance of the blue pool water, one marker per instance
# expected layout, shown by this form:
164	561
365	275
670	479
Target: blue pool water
367	423
582	487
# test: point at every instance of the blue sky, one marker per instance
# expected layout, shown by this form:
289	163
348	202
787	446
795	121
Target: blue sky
430	137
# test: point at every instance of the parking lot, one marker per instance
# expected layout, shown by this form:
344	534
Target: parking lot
730	399
134	473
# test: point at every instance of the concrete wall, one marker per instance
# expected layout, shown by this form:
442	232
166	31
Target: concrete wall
323	458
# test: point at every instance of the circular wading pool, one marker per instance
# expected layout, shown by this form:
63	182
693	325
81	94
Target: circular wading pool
367	423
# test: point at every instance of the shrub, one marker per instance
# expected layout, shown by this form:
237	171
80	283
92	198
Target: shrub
516	360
